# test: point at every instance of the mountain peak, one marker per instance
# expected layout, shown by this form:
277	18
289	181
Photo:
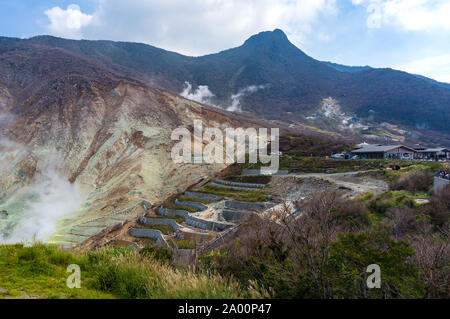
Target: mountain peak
276	35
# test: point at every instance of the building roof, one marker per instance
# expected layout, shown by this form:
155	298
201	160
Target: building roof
433	150
379	148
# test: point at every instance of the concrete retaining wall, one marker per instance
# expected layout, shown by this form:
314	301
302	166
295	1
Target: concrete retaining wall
207	224
245	205
146	204
173	212
439	184
196	222
232	216
197	237
149	233
196	205
202	196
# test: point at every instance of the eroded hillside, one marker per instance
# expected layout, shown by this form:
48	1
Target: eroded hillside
83	148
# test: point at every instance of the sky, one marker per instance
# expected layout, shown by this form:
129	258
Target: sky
408	35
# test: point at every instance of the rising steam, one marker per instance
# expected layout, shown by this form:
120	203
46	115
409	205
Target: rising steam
236	98
32	213
50	199
202	94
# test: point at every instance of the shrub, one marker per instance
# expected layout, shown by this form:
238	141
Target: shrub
413	181
403	221
439	207
158	253
350	256
184	244
378	207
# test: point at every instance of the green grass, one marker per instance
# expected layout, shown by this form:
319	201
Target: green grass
40	271
183	198
148	242
247	196
253	179
184	244
165	229
179	207
322	164
391	175
379	205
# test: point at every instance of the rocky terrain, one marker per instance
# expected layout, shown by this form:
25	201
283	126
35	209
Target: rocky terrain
83	147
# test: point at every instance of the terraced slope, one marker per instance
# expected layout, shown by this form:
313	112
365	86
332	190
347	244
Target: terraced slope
209	220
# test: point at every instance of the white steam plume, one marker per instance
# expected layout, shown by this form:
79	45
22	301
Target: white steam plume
236	98
202	94
51	199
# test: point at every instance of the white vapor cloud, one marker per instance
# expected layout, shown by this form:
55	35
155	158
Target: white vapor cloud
236	98
202	94
414	15
67	23
51	198
192	27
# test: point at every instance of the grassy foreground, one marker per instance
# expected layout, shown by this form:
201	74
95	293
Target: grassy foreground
39	271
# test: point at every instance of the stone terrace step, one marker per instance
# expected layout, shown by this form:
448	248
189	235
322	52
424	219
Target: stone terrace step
221	181
86	231
234	187
205	196
103	224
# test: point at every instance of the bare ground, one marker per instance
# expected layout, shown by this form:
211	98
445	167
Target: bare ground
298	186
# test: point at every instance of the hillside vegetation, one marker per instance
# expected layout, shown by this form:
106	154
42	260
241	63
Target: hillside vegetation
39	271
324	252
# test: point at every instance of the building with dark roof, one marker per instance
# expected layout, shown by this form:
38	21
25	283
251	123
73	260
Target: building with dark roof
385	151
433	153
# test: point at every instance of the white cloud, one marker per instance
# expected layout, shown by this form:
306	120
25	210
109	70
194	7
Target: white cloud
415	15
193	27
435	67
67	23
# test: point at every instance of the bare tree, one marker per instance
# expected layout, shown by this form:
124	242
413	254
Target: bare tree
432	257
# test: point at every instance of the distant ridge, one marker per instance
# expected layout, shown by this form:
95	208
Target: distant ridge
292	83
